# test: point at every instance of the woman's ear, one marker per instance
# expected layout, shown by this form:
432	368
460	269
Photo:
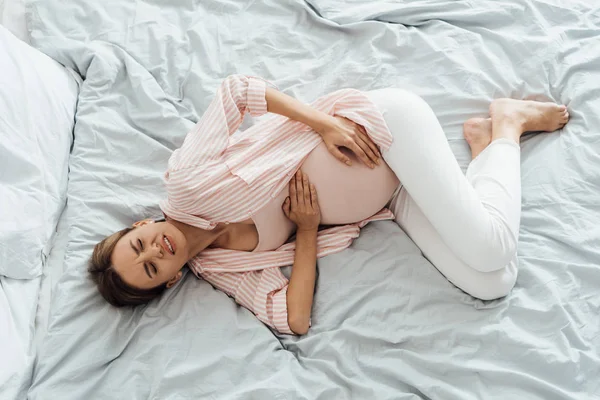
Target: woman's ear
142	223
174	279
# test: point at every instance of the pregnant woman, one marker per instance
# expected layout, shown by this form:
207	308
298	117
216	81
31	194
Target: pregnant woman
235	199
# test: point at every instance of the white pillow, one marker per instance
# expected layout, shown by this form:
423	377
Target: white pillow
38	97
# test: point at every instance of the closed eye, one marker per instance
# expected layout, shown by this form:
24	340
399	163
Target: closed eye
154	268
141	244
147	271
134	248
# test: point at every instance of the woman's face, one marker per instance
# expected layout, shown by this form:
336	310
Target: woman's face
144	259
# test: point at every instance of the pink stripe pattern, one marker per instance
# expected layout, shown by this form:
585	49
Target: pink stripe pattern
220	175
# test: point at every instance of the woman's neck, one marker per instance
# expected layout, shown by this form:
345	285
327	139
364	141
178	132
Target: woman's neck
198	239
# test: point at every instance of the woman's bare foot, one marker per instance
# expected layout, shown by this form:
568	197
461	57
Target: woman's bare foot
511	118
478	132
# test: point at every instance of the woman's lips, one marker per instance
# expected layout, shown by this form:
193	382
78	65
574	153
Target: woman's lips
164	246
172	242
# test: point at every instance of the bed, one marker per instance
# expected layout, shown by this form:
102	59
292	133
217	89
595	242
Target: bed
386	324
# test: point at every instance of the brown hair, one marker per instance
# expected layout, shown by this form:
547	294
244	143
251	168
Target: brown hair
109	282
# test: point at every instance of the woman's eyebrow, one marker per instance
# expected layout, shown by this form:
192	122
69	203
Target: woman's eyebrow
134	249
147	271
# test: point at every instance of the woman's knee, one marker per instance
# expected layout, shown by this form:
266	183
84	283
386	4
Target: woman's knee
492	285
493	250
492	258
398	104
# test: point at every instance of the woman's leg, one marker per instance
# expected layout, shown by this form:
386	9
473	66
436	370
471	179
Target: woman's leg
482	285
476	218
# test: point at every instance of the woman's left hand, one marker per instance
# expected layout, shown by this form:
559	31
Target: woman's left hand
342	132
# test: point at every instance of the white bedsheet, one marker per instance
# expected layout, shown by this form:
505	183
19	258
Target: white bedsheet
24	312
18	304
12	17
53	269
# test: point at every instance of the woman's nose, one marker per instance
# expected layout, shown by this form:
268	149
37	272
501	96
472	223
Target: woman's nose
155	251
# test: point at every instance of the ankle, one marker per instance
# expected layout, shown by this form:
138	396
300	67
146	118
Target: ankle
513	123
511	128
512	138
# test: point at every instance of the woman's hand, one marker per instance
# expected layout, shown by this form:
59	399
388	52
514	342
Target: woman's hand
302	206
336	131
342	132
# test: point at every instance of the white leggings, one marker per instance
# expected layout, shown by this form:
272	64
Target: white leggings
466	226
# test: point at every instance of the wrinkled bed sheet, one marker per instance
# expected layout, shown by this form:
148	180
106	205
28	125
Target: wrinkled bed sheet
18	303
12	17
386	324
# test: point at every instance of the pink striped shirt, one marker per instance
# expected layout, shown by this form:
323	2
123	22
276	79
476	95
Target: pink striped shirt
218	177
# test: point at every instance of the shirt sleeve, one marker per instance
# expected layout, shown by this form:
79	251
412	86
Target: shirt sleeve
237	95
263	292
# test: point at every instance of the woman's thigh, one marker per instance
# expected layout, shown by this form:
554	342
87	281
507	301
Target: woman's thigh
482	285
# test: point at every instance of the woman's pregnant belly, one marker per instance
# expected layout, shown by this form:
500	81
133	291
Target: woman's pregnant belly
347	194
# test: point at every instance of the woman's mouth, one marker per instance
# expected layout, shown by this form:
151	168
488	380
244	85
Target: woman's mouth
169	245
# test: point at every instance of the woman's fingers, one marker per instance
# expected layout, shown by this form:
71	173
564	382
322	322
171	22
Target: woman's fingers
333	149
300	191
374	154
303	195
293	195
365	147
306	189
360	153
286	207
313	198
359	131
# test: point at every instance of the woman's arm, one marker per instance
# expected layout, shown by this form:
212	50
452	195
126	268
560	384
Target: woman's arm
302	207
302	281
336	131
282	104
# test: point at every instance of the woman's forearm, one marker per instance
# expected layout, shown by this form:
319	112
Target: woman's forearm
282	104
302	282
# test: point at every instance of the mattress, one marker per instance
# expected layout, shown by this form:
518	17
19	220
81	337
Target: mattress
385	324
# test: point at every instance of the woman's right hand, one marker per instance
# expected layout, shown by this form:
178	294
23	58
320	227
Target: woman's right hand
343	132
302	206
